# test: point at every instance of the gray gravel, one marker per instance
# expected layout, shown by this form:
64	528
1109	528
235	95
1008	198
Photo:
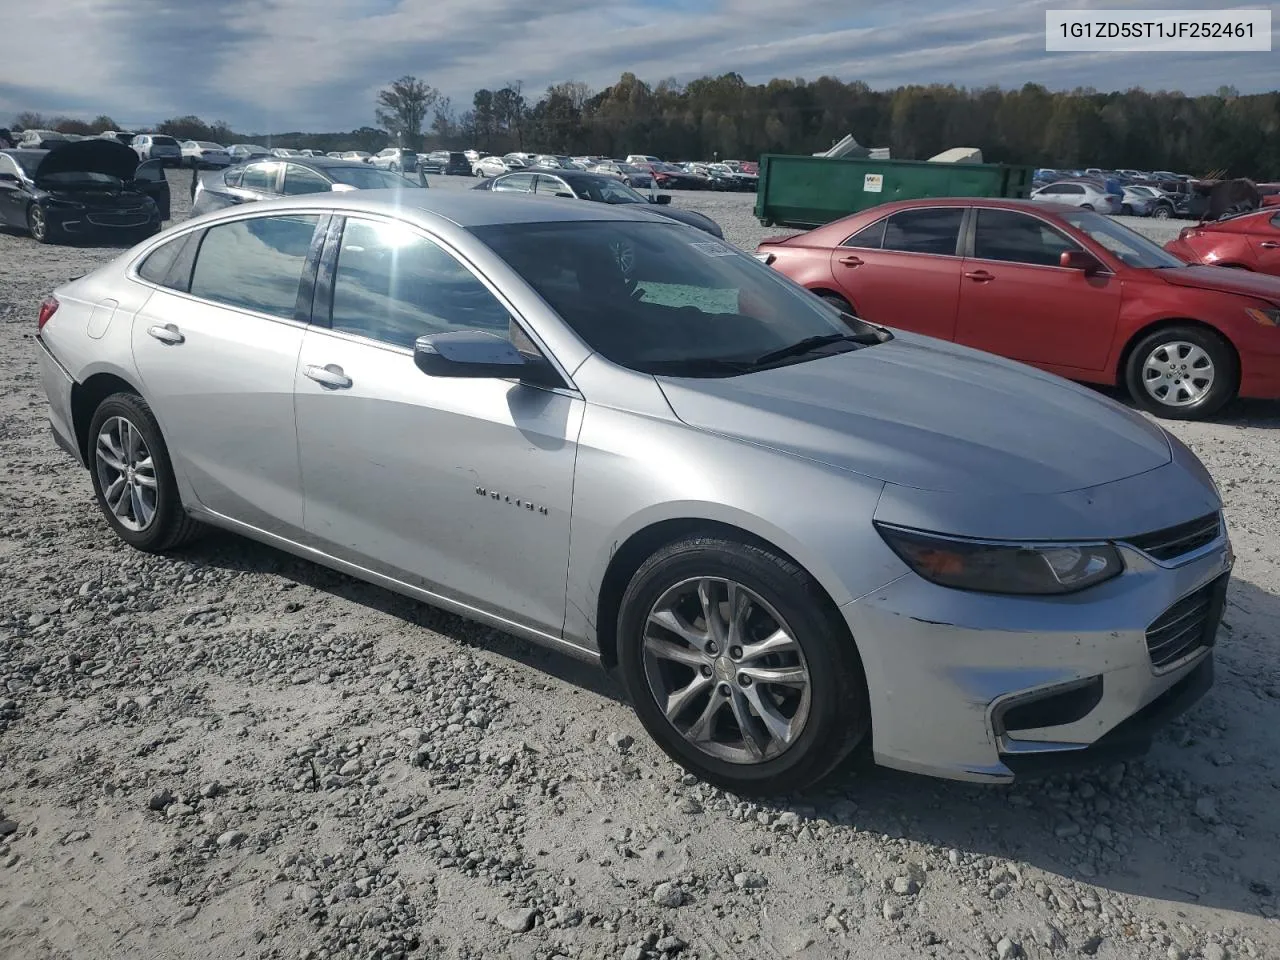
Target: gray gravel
231	753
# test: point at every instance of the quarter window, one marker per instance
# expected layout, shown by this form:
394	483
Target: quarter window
933	231
260	176
159	261
550	186
868	238
516	183
1018	238
254	264
394	285
299	179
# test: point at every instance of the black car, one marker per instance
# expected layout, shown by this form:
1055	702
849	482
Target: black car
452	163
597	187
82	188
280	177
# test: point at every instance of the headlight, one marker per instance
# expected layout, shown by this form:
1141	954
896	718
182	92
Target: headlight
1003	567
1267	318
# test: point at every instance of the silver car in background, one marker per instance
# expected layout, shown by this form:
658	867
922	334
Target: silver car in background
1079	193
789	531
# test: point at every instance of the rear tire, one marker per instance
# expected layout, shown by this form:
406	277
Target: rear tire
1086	206
1161	213
1182	373
837	301
770	704
133	477
38	223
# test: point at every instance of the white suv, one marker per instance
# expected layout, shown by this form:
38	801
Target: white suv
157	146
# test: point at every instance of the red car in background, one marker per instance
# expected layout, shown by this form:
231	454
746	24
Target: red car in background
1250	241
1064	289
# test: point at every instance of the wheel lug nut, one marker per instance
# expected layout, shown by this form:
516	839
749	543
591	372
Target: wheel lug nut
744	680
706	670
724	690
712	648
735	653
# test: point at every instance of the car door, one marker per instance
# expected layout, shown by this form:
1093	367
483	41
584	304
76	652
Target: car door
904	270
515	183
457	486
217	348
150	179
13	193
1018	302
1264	241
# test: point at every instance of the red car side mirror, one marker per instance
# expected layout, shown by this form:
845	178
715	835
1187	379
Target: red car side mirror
1079	260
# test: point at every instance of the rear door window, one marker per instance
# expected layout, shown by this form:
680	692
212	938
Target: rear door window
255	264
931	230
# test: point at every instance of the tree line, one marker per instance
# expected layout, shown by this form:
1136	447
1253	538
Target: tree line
728	118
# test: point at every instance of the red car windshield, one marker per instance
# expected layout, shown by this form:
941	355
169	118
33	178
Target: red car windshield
1130	248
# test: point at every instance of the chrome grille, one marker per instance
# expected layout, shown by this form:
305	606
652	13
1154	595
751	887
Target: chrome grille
1190	623
117	219
1173	542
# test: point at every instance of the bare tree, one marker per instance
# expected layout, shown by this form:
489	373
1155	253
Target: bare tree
402	108
29	120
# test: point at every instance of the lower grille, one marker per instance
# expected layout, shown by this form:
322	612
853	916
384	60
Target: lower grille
1189	624
117	219
1172	542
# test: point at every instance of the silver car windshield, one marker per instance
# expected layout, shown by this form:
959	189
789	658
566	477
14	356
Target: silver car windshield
661	298
1131	248
368	178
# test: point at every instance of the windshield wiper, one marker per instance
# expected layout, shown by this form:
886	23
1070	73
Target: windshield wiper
808	345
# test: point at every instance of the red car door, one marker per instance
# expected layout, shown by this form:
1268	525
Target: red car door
903	270
1017	301
1264	240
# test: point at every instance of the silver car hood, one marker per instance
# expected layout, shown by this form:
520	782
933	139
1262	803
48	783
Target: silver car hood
921	413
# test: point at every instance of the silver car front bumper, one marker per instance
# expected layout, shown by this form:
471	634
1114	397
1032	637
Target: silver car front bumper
970	686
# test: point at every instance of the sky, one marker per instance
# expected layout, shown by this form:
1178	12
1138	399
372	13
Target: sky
316	65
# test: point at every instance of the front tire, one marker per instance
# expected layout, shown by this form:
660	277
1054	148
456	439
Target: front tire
133	477
38	223
739	666
1161	213
1182	373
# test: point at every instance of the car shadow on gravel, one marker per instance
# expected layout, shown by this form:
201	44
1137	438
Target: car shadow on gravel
230	552
1192	823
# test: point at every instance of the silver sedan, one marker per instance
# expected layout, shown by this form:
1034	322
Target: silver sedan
789	531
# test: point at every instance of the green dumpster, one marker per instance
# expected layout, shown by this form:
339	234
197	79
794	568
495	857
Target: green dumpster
807	192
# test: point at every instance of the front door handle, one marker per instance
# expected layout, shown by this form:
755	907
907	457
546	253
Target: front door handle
979	276
330	375
852	261
1269	245
168	333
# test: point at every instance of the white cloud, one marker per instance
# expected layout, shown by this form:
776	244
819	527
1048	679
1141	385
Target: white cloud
318	64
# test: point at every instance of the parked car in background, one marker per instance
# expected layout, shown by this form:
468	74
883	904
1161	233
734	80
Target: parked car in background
496	166
334	155
35	139
1188	202
793	533
1136	203
266	179
285	152
631	175
455	163
1079	193
1156	205
119	136
91	188
553	161
596	187
1249	241
158	146
1068	290
363	156
205	153
240	152
727	178
396	159
638	158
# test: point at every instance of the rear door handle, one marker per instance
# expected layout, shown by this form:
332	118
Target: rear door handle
1269	245
330	375
852	261
979	276
168	333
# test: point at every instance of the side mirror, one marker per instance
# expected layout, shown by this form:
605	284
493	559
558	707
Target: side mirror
1079	260
478	354
662	199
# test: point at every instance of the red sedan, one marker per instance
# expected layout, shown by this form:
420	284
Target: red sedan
1064	289
1250	241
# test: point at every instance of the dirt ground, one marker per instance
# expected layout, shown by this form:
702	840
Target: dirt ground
230	753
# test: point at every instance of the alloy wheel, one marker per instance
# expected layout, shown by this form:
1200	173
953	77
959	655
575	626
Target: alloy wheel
126	474
726	670
37	223
1178	373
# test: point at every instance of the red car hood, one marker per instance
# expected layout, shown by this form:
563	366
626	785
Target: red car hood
1225	280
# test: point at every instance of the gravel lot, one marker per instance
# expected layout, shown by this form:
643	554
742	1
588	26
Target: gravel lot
231	753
